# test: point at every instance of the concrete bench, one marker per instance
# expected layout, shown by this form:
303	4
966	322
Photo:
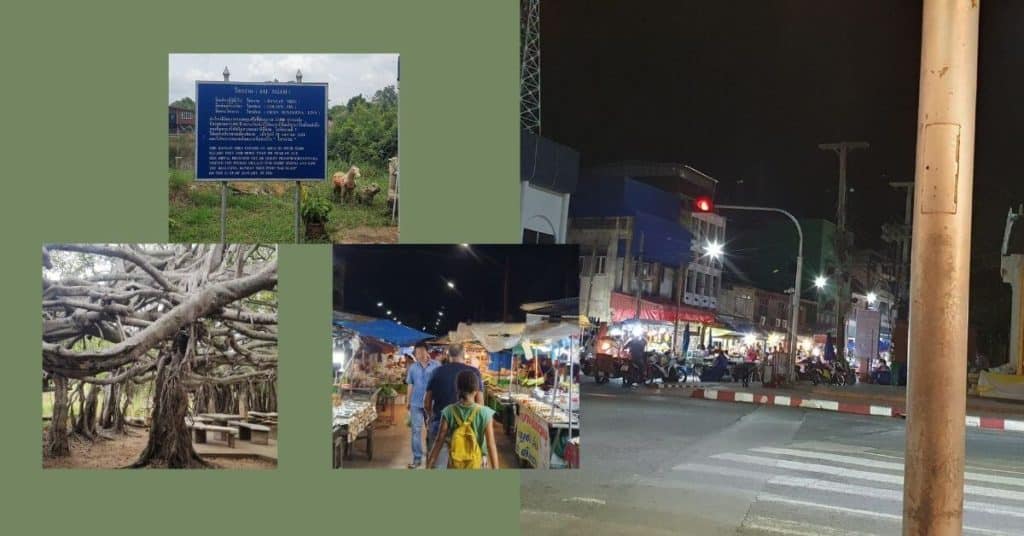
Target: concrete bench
199	432
257	433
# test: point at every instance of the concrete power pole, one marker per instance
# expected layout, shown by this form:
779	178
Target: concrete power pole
933	491
842	149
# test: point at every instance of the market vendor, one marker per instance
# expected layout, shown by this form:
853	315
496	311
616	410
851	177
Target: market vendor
717	369
441	392
417	377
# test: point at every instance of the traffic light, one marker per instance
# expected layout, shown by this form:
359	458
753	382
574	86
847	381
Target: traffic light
703	204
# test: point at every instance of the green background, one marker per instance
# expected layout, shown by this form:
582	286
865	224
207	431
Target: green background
84	144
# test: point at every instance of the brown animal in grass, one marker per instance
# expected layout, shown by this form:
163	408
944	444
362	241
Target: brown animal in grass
366	194
345	184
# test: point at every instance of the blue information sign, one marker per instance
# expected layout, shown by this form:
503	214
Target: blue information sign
261	131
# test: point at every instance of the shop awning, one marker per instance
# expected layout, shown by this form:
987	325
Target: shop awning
385	330
624	308
493	336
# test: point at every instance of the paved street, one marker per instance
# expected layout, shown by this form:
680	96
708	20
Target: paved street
663	464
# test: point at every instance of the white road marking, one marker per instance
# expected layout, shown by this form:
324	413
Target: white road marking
1016	426
796	528
856	511
859	475
973	422
782	400
744	397
851	460
588	500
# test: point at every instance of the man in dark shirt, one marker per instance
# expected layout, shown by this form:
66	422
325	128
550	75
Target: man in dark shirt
441	392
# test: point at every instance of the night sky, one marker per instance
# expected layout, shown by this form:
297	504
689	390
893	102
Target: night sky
411	281
745	91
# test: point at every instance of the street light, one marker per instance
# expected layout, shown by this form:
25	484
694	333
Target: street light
440	313
451	284
795	307
380	304
872	298
820	281
388	312
714	250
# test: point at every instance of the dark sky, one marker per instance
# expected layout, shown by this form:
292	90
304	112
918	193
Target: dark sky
411	281
747	90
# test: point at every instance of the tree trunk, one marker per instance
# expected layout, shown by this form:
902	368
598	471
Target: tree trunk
170	444
109	406
125	392
57	444
86	424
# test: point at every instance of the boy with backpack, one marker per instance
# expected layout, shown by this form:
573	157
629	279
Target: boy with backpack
467	428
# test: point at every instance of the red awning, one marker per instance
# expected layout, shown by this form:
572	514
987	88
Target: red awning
624	308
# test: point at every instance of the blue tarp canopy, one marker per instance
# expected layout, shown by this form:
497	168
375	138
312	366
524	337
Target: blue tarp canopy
385	330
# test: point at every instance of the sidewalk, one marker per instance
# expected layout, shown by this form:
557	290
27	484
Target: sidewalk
862	399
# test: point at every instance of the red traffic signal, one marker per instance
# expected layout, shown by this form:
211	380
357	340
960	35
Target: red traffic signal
703	204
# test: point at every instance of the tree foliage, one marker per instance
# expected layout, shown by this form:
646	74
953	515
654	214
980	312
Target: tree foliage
365	132
185	102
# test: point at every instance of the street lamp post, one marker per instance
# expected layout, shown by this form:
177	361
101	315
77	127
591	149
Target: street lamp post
795	307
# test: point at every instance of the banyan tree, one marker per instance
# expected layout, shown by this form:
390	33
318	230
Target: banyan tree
193	326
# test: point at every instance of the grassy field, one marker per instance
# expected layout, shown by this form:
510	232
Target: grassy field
194	212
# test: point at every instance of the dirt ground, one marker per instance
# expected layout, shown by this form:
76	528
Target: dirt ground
125	449
366	235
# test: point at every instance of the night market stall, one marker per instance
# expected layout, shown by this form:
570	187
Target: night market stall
369	377
541	406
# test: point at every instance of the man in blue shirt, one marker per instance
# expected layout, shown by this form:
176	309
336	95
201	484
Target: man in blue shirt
418	377
441	391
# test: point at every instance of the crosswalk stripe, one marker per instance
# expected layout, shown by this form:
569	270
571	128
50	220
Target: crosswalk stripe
818	484
851	460
860	475
883	493
796	528
767	497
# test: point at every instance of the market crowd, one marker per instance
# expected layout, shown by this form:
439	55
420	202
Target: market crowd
445	400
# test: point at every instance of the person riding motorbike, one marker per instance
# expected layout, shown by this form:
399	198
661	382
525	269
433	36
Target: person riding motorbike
636	347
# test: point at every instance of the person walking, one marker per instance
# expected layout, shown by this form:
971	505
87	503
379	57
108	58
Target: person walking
418	376
467	429
442	392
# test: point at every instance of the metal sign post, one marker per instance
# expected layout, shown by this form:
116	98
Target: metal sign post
298	212
223	211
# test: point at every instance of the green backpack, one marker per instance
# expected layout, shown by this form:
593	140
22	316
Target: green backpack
465	451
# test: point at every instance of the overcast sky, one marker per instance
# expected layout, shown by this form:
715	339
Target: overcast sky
348	75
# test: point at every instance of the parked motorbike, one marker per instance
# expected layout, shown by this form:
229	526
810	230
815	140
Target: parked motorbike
662	367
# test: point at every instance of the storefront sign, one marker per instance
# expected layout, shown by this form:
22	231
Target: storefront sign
624	308
532	441
261	131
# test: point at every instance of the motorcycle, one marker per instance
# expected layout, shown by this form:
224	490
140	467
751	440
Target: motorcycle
662	367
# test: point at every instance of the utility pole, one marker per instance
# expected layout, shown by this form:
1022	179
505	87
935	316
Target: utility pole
904	243
842	149
639	276
933	491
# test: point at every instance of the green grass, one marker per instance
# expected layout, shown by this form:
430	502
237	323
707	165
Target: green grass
194	211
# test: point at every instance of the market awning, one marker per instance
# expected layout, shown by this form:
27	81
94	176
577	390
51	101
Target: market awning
385	330
624	308
493	336
562	307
